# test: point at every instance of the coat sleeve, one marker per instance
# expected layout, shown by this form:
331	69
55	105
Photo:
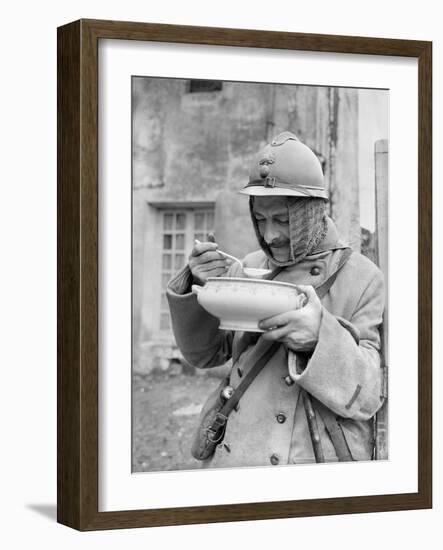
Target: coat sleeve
196	331
344	374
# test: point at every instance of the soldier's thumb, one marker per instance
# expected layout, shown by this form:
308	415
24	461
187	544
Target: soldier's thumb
308	290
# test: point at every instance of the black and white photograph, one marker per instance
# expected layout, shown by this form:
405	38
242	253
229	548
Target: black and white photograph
220	284
259	274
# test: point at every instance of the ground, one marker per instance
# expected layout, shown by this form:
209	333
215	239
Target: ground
166	407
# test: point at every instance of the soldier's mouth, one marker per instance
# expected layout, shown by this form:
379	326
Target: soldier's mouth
280	252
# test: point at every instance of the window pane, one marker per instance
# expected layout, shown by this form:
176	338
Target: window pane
164	321
199	236
167	221
199	221
167	242
167	261
210	221
179	261
164	302
180	221
165	280
180	241
198	85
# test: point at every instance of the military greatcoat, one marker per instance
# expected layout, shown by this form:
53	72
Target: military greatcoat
343	373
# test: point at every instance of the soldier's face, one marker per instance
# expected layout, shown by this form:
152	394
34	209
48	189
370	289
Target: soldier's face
272	218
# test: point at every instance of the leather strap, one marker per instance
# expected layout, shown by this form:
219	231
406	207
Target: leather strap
335	431
231	403
273	273
323	289
216	430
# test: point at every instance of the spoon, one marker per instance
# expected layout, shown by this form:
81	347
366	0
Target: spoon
248	271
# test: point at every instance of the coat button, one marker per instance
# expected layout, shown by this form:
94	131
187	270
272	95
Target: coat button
288	380
315	271
274	459
239	372
227	392
281	418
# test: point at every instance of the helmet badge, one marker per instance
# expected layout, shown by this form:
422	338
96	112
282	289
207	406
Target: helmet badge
264	163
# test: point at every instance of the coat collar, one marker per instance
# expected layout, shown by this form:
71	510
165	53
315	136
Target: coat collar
331	241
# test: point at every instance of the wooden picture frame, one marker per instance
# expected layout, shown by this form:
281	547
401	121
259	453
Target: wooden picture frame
77	457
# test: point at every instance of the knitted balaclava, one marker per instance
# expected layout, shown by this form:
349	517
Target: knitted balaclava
307	228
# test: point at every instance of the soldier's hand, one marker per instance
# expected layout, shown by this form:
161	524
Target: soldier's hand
204	261
299	328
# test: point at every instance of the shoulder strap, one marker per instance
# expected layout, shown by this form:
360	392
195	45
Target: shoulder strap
335	431
323	289
273	274
217	427
231	403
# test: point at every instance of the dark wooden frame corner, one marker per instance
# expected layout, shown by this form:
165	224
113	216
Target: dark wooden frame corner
77	405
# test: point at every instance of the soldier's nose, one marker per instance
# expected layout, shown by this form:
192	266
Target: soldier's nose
270	234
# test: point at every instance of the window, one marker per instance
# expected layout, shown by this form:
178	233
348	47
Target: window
196	86
179	229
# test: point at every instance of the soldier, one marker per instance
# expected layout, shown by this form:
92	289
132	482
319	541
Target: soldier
316	396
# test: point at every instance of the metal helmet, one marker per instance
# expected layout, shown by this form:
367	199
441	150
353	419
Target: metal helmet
286	167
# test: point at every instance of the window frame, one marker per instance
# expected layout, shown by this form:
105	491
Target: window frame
161	208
